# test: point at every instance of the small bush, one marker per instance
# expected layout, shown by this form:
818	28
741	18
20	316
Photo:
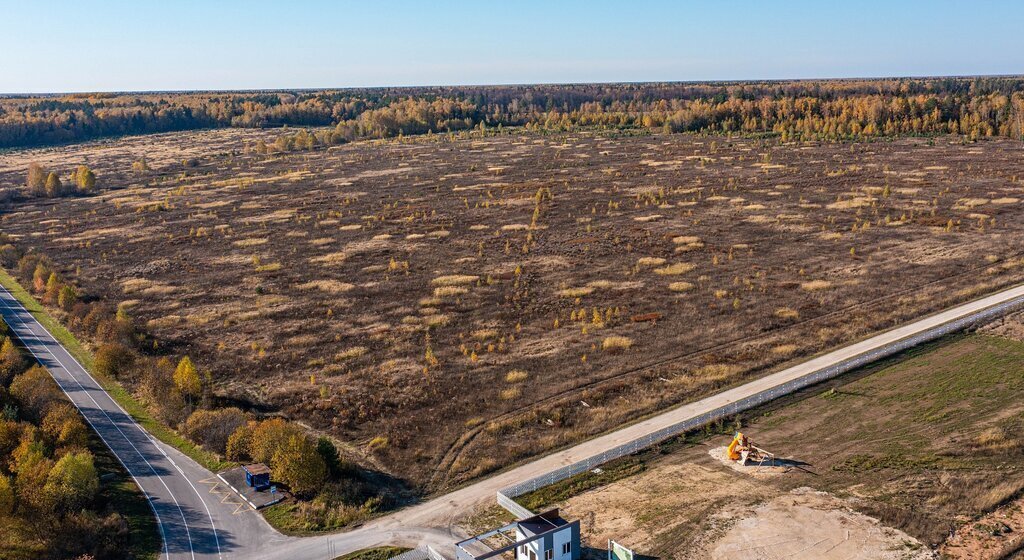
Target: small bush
674	269
516	376
616	343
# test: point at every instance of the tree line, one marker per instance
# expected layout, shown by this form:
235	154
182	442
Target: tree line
798	109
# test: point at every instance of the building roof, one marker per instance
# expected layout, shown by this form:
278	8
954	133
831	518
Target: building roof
256	469
541	523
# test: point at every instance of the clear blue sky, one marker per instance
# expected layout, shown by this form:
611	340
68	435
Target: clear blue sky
91	45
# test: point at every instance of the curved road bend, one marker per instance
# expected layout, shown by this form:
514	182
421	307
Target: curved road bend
197	520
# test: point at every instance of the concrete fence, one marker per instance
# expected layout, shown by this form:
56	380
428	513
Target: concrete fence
506	495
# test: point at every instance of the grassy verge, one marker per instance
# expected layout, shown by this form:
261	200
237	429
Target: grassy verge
121	395
379	553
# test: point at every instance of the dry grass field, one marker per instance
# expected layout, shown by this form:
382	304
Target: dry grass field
448	305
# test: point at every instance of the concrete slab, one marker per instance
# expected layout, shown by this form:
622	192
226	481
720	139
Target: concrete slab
235	479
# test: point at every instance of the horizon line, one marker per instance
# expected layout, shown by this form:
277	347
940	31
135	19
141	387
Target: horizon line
730	81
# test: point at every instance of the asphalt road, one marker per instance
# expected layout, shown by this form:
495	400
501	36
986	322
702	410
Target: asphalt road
200	518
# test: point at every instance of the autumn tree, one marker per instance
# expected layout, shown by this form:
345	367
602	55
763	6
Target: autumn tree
31	468
298	464
36	181
11	361
72	482
85	179
113	359
269	436
239	443
35	391
213	428
63	427
7	499
67	298
53	286
187	379
54	188
40	277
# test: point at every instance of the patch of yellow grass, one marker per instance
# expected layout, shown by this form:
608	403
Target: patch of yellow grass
516	376
674	269
330	258
650	261
485	334
787	313
510	393
449	291
165	322
435	320
251	242
685	239
269	267
330	286
616	343
815	285
784	349
576	292
454	280
351	353
680	286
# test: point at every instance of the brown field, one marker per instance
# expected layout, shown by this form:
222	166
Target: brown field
449	305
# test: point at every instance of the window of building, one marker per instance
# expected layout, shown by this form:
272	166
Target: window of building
533	555
549	554
566	548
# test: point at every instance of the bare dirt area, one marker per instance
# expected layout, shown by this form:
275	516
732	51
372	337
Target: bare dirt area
449	305
913	458
808	524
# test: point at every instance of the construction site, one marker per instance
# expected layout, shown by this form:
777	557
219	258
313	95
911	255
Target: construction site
914	457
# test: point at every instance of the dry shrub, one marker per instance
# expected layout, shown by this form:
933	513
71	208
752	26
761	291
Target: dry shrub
250	242
787	313
510	393
680	286
815	285
784	349
269	267
330	258
516	376
454	280
329	286
485	334
685	240
616	343
997	495
435	320
449	291
995	439
576	292
674	269
650	261
351	353
716	372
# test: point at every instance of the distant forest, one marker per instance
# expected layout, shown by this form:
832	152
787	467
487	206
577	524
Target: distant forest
824	109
